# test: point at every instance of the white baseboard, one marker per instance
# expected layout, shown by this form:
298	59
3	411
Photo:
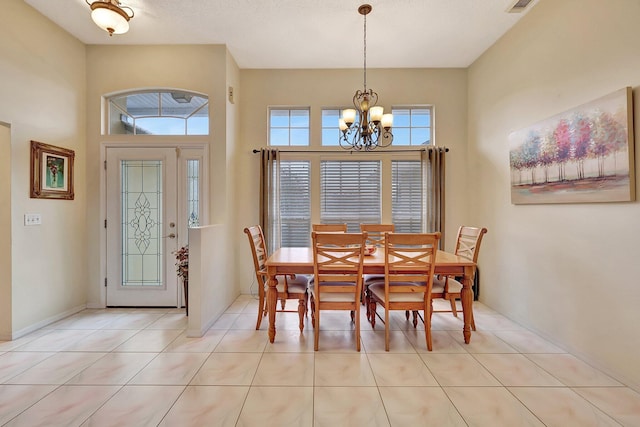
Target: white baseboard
41	324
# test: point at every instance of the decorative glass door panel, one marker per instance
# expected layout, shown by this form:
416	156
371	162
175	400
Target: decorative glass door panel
141	227
193	192
141	196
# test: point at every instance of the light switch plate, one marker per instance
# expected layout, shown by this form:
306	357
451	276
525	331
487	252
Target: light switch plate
32	219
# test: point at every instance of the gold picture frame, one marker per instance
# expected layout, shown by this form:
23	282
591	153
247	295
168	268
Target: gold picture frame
51	172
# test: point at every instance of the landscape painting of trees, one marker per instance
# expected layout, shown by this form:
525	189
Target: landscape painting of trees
582	155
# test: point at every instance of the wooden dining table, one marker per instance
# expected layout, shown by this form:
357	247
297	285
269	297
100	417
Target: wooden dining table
300	261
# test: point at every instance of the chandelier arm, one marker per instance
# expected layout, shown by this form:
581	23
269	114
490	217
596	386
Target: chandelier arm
352	138
357	139
373	98
385	138
356	100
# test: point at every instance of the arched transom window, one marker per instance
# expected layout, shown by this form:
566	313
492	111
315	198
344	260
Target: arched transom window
159	112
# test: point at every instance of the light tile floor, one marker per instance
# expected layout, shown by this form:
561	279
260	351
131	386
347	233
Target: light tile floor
136	367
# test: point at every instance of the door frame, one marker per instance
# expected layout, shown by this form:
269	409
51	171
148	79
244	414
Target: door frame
136	141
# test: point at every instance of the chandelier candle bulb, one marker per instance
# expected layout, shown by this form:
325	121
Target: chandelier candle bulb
387	121
376	113
349	116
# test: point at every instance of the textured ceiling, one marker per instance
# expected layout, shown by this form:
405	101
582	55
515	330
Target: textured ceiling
307	33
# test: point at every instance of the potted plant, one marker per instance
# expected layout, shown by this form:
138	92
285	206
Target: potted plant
182	268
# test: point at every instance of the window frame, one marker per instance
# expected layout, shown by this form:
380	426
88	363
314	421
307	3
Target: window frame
270	109
130	120
431	126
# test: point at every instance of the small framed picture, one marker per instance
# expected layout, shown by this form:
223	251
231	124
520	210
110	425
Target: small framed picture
51	172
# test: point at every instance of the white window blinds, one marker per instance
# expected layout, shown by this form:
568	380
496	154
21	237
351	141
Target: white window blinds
295	203
350	192
407	208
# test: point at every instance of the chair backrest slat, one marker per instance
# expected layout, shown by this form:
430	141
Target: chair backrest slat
338	257
375	233
468	242
410	257
258	251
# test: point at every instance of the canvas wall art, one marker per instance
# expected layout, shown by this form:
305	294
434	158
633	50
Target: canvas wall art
582	155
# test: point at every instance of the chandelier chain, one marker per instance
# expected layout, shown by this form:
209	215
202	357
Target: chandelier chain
365	52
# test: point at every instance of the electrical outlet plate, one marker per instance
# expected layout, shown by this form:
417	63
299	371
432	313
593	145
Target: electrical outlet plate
32	219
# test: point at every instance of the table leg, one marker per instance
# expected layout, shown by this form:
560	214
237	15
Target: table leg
272	300
466	295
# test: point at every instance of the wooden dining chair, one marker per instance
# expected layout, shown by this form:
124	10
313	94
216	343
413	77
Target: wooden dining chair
375	237
409	266
329	228
337	267
448	287
290	286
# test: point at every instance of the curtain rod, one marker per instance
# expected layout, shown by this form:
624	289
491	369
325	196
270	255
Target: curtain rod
381	151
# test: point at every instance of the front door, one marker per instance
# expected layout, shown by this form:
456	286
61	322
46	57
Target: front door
142	227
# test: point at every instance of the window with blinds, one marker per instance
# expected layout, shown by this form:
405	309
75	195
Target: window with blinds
350	192
407	194
295	203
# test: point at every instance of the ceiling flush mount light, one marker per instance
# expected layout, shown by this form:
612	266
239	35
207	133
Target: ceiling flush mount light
110	15
366	127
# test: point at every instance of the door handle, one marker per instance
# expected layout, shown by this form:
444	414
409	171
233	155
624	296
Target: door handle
171	236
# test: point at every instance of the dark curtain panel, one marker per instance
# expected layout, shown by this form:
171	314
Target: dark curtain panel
269	195
433	161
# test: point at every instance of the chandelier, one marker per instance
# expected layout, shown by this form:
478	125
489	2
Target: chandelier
366	127
110	15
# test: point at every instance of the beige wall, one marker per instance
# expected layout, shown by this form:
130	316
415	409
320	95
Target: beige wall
42	82
566	271
111	69
5	232
444	88
234	154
